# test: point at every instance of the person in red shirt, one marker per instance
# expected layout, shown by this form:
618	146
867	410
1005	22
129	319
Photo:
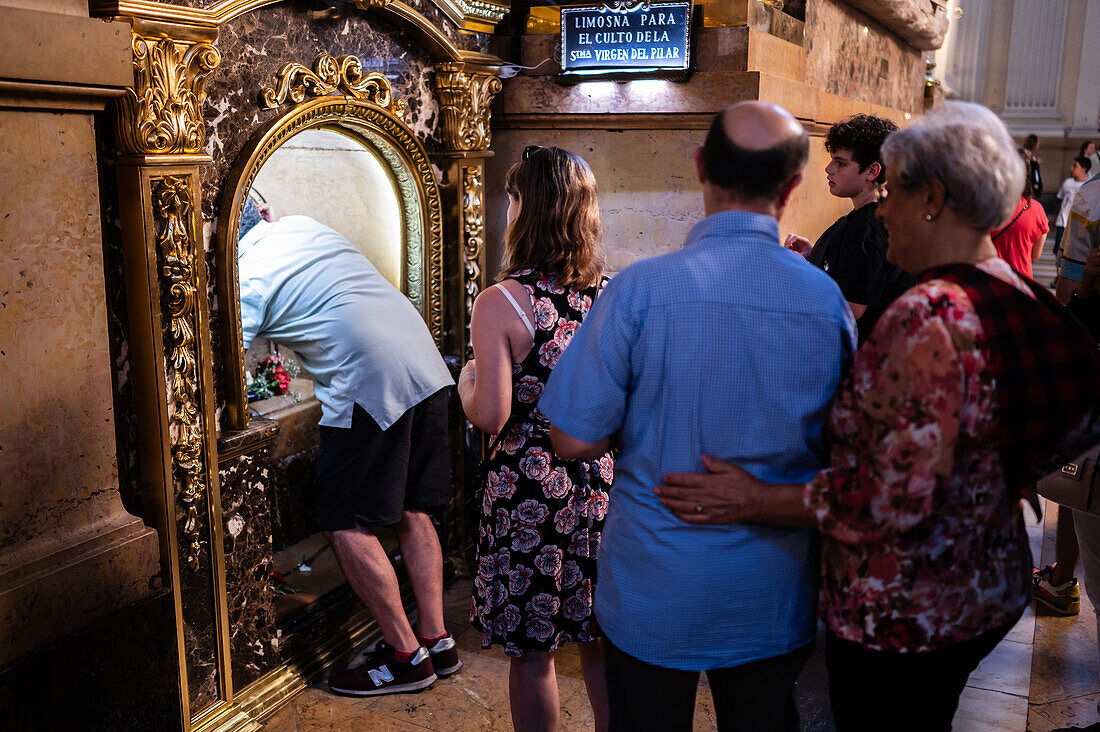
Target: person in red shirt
1020	241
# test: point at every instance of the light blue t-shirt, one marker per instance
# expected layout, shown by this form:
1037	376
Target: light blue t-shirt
733	347
306	287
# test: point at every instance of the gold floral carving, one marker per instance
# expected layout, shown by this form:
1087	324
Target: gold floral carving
330	74
465	99
474	229
172	208
162	113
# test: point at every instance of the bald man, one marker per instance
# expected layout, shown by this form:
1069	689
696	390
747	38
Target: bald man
731	347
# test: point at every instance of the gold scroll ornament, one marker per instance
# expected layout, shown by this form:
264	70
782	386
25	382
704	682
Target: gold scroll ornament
176	250
331	74
474	229
465	99
162	114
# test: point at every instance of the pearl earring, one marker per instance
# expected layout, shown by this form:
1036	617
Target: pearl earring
928	217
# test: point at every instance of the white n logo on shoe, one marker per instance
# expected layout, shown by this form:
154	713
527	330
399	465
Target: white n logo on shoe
380	675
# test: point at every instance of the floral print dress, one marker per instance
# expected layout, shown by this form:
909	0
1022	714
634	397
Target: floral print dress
922	543
541	517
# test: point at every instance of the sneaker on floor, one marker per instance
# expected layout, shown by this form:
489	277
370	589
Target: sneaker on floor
1064	600
444	655
381	673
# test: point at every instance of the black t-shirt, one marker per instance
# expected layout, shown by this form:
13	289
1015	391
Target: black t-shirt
853	252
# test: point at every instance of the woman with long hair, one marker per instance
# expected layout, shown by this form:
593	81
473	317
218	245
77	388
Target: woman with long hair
541	516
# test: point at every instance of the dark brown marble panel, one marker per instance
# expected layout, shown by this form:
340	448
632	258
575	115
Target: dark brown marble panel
246	489
853	56
199	625
294	490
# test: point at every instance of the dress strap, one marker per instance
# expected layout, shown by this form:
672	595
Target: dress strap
519	310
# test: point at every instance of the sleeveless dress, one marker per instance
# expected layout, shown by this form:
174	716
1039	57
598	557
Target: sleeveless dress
541	516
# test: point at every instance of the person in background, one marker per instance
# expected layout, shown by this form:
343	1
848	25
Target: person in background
933	438
383	458
1078	174
541	516
1084	218
1088	150
1035	178
1020	241
696	351
853	250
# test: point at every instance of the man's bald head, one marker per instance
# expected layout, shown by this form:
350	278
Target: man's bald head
754	149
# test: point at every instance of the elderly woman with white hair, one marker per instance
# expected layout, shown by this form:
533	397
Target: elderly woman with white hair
934	438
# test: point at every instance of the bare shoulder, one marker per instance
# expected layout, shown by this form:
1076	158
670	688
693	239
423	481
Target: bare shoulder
492	307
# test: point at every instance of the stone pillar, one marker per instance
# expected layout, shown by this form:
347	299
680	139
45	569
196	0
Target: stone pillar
1035	67
70	554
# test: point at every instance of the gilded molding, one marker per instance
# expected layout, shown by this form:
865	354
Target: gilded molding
172	210
392	139
465	98
473	227
490	12
331	74
162	113
622	6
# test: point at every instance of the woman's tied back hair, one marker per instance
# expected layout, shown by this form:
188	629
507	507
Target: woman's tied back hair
862	135
557	231
967	148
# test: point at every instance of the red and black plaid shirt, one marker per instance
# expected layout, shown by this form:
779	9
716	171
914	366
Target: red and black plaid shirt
1048	372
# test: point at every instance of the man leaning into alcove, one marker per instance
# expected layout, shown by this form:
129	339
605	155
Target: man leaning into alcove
383	458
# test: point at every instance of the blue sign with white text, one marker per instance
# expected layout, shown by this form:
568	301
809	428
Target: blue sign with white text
623	37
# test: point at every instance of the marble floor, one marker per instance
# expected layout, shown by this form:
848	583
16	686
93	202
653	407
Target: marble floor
1042	677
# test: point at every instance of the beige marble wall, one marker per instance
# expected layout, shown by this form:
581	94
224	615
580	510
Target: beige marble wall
853	56
69	553
650	196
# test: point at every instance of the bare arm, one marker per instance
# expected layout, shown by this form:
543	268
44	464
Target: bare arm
857	309
570	448
1037	247
485	386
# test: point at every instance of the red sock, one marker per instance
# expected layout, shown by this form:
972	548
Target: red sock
430	641
404	656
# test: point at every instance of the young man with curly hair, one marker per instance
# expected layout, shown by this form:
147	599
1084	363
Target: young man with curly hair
853	250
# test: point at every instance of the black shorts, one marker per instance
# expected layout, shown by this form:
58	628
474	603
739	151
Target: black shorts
369	477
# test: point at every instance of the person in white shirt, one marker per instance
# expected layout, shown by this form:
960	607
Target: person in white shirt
1084	234
1079	173
383	458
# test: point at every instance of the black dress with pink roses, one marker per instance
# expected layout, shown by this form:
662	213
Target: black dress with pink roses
541	516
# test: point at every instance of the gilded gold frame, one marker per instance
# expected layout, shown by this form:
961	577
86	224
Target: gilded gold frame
396	143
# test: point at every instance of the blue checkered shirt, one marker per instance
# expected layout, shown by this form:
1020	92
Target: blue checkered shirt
733	347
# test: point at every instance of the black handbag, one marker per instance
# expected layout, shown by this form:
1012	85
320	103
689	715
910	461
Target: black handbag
1072	485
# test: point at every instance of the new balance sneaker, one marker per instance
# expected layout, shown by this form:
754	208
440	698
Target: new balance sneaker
381	673
444	655
1064	600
